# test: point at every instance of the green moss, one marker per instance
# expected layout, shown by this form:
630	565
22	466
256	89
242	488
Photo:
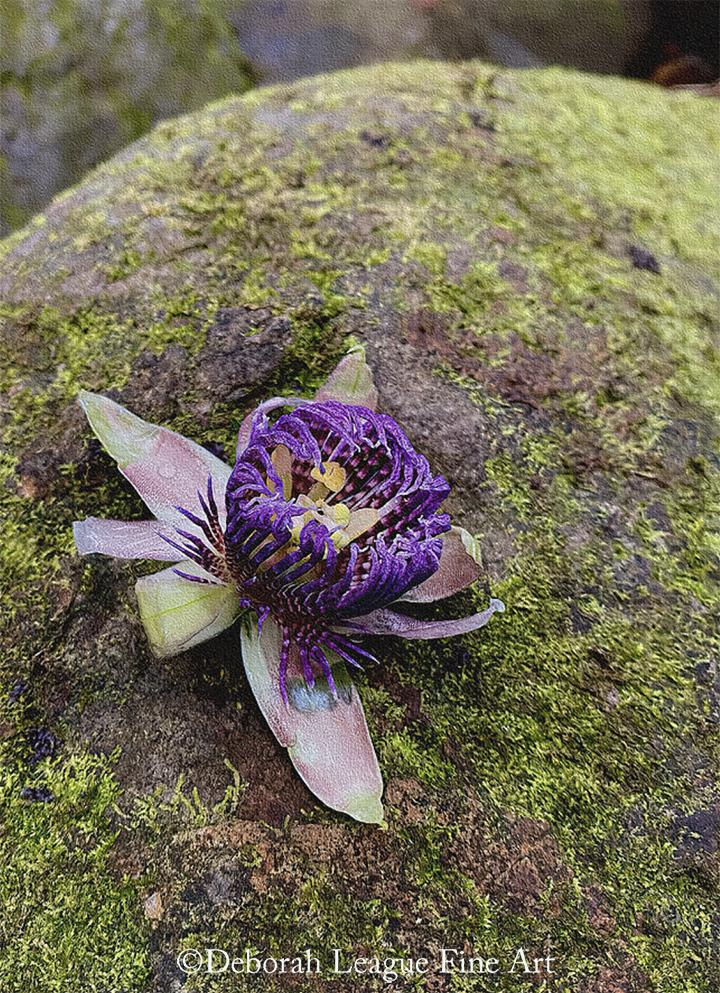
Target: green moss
617	117
256	292
127	262
68	923
162	810
560	744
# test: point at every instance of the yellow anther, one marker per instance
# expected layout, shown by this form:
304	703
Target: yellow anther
331	474
301	522
340	514
360	522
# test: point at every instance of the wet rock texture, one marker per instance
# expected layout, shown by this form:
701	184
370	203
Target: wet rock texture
81	79
551	780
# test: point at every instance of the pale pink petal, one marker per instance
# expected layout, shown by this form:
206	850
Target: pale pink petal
125	539
165	468
178	613
351	381
327	738
457	570
390	622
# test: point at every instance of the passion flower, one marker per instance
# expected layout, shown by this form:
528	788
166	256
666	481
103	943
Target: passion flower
328	518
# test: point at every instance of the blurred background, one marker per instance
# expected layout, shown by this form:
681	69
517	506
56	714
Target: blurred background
79	79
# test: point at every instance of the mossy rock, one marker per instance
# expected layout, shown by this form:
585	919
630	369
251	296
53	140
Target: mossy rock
531	260
79	79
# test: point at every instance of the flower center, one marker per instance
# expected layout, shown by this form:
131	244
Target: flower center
331	509
321	504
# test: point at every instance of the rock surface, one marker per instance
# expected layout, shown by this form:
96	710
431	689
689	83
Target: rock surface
551	781
81	78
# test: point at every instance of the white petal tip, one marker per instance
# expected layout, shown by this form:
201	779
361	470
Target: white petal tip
366	809
78	530
86	398
159	651
498	606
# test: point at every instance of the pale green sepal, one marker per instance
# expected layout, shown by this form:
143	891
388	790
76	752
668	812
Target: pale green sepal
123	435
470	543
178	613
351	381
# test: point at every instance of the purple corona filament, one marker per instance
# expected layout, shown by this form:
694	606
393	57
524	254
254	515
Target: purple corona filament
331	514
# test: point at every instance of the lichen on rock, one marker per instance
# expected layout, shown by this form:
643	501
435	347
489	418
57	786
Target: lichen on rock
474	229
